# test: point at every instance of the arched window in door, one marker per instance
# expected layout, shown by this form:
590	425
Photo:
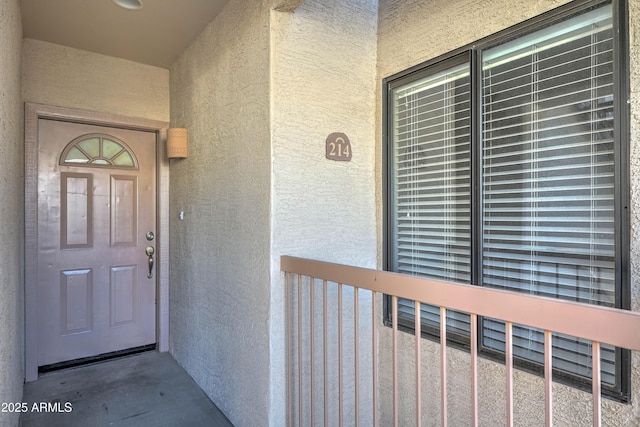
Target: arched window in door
98	150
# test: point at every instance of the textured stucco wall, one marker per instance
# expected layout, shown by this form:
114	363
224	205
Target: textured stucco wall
219	267
65	77
323	81
411	32
11	210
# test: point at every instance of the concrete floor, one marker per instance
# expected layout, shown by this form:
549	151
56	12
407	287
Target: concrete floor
146	389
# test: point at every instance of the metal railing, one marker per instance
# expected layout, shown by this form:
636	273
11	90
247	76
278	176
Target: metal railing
305	278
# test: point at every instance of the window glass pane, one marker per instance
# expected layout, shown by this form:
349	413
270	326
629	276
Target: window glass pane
91	146
432	176
431	183
75	156
110	148
123	159
548	175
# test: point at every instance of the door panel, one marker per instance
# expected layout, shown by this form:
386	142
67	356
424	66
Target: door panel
124	210
94	209
76	301
76	211
124	288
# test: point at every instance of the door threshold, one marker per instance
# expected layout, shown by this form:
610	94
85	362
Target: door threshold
95	359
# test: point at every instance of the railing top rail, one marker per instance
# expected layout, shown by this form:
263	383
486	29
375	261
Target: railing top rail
603	324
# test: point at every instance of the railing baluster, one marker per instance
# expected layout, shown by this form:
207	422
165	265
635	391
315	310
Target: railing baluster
299	302
312	350
340	384
418	334
325	353
356	376
591	323
394	327
374	348
289	359
474	369
443	365
596	378
548	378
508	331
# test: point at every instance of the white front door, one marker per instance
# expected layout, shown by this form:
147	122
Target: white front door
96	290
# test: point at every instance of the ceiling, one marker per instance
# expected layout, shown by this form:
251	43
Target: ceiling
155	35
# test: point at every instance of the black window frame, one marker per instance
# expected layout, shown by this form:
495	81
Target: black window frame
621	391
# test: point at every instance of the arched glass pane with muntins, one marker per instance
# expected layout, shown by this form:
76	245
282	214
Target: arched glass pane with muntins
98	150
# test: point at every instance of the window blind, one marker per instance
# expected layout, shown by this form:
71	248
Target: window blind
431	184
548	208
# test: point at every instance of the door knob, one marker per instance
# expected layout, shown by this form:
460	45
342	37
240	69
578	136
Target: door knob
150	251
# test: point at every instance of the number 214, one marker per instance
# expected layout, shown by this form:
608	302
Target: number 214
343	150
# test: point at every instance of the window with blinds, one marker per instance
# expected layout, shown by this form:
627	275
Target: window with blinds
432	140
548	173
536	139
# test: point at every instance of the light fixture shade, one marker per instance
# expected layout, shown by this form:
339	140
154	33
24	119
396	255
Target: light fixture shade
129	4
177	143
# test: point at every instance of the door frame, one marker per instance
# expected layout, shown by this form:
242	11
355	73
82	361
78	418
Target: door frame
35	112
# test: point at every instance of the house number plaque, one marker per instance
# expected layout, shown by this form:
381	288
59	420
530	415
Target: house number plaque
338	147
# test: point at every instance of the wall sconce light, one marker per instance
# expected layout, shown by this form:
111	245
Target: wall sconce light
177	143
